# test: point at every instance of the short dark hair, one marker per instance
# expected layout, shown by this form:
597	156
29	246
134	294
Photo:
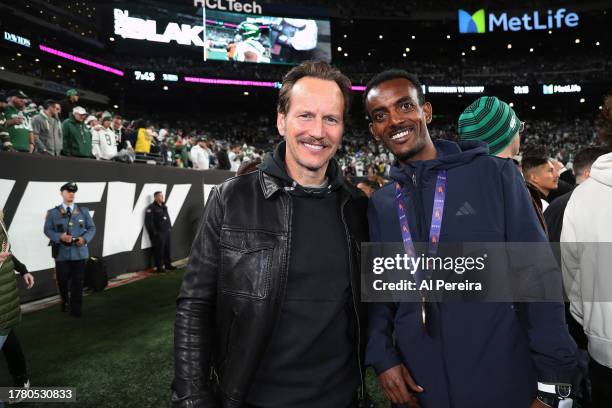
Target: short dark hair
314	69
156	193
49	102
532	160
389	75
587	156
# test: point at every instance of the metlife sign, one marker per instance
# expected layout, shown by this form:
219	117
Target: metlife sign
480	22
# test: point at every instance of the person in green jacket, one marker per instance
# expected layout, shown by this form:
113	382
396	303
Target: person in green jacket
17	123
77	138
10	311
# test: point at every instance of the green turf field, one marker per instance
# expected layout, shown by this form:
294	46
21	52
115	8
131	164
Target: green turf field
119	354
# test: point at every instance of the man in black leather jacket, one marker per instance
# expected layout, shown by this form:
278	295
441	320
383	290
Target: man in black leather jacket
269	313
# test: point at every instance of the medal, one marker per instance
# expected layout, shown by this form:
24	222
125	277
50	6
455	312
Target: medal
423	312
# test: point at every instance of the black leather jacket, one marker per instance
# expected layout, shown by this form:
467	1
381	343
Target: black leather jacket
234	287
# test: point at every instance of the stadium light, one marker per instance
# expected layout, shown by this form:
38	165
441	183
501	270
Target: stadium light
115	107
463	54
509	46
473	48
600	107
404	55
339	49
59	66
380	37
346	54
582	100
533	107
414	37
511	104
80	60
245	93
407	49
597	43
74	70
531	50
344	35
36	60
577	40
448	36
165	87
111	39
549	31
369	53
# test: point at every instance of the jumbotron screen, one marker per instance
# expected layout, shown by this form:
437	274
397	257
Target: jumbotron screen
265	39
229	36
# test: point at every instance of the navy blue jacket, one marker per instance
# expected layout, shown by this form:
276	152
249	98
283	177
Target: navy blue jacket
480	354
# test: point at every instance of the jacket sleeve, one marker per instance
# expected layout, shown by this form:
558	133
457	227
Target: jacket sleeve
49	232
67	138
194	328
570	261
19	267
380	352
37	124
552	348
90	227
149	224
95	144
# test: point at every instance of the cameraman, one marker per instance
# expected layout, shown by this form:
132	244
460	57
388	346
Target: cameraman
70	228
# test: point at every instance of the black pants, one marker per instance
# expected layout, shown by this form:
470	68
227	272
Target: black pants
70	281
15	359
161	250
601	383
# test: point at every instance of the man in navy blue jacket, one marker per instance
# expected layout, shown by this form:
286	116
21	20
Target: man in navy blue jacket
481	354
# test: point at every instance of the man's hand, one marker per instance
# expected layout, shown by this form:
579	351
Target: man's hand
394	381
4	255
29	280
66	238
538	404
80	241
18	120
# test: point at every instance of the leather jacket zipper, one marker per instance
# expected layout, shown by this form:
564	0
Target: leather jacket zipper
361	392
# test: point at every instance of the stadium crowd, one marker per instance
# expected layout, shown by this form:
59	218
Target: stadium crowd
65	128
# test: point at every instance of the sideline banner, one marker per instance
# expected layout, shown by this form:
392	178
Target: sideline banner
116	195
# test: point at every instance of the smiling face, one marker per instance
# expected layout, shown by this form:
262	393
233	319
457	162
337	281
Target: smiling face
312	127
398	121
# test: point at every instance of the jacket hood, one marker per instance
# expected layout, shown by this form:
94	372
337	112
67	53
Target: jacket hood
274	165
449	155
602	169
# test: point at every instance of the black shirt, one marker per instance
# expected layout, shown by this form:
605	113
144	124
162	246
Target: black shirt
311	360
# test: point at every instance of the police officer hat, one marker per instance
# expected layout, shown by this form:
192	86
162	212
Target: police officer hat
70	186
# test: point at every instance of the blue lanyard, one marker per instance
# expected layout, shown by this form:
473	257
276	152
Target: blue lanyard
434	231
436	217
